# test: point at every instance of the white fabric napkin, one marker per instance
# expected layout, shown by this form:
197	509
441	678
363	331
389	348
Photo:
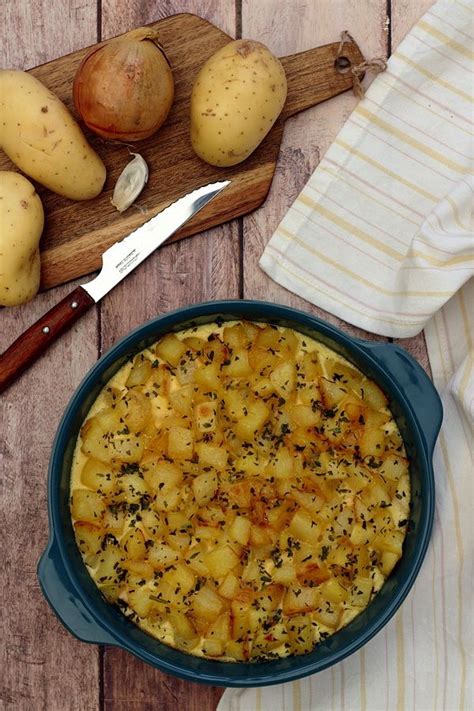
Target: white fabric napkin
382	237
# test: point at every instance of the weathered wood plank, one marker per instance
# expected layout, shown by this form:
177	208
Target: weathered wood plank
309	135
43	666
205	267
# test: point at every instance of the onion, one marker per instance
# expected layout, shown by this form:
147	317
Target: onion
124	89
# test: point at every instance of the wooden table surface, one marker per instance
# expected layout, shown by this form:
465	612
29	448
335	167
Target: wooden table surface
44	667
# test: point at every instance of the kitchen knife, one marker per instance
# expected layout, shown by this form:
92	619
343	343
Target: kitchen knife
118	261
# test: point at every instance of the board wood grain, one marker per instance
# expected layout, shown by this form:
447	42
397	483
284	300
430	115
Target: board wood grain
77	233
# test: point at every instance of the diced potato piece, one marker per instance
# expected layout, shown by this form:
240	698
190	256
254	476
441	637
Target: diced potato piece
249	463
180	443
389	541
260	536
220	629
184	631
236	404
114	521
240	619
240	530
362	535
328	614
267	338
135	410
181	579
133	544
161	475
332	591
110	561
142	568
170	349
229	586
237	650
300	599
393	467
372	443
140	372
310	394
139	600
161	555
234	336
311	501
87	506
302	634
303	527
89	539
207	604
213	647
311	573
132	488
311	367
205	487
284	378
263	387
205	416
98	476
373	395
281	466
194	343
239	365
208	376
285	575
255	417
221	561
388	561
332	393
303	415
288	342
182	400
211	455
361	592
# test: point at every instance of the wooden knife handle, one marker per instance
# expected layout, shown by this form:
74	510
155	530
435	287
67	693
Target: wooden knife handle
33	342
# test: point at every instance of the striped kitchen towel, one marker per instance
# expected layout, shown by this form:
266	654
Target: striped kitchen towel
382	237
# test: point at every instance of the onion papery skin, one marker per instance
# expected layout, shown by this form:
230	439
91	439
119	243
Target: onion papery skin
124	89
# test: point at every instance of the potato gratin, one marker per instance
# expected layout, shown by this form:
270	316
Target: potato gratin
240	491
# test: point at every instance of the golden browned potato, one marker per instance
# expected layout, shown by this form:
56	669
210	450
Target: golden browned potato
265	504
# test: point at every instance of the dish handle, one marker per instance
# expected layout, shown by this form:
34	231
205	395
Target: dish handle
60	594
416	385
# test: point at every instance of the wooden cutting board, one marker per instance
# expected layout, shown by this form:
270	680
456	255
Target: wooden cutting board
77	233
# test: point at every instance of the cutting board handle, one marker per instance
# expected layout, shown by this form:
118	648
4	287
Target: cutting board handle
313	77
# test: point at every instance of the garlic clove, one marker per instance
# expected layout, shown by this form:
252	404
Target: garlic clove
130	183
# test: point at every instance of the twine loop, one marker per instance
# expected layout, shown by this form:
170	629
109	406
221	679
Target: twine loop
376	65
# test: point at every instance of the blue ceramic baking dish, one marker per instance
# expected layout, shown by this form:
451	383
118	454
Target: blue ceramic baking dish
75	598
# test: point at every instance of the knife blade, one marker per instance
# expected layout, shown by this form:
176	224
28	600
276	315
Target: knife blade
117	262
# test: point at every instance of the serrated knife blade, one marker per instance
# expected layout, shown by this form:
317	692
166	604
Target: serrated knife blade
122	257
117	262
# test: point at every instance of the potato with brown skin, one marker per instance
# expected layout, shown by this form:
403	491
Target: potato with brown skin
237	97
40	136
21	222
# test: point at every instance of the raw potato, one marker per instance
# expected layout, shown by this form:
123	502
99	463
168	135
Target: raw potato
237	97
40	136
22	221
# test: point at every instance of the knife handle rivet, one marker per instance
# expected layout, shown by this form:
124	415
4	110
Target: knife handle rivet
74	305
45	329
